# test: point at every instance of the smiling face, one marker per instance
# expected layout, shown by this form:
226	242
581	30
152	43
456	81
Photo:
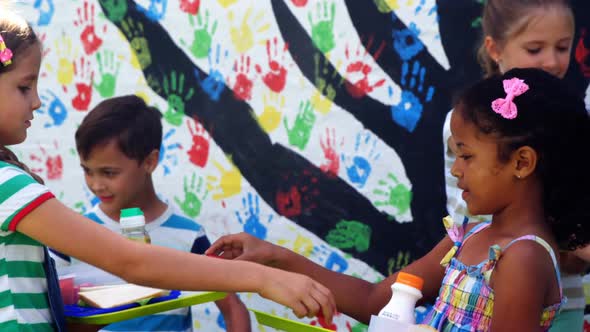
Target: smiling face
484	179
118	181
18	93
545	42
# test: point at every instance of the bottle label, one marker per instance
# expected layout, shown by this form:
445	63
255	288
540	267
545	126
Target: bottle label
390	315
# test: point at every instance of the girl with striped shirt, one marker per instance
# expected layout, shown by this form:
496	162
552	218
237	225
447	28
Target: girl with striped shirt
32	218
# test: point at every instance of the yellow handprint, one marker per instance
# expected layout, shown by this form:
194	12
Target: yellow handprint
320	103
226	3
387	6
230	183
303	246
65	62
270	119
242	36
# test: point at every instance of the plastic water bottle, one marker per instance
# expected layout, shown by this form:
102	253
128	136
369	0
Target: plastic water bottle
132	224
398	314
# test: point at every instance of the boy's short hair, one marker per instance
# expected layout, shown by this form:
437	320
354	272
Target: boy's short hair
136	127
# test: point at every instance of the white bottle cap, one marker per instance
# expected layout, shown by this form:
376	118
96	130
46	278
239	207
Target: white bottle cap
132	217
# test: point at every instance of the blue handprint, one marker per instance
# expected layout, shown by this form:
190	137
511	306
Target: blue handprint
167	158
156	10
214	83
408	111
53	106
46	10
406	42
251	212
330	258
358	167
336	263
221	321
422	4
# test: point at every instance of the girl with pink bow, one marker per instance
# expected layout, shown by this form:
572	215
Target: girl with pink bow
525	34
521	140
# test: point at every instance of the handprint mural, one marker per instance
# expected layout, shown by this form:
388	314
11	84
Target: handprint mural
315	124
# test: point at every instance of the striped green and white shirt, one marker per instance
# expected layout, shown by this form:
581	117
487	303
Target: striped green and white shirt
23	285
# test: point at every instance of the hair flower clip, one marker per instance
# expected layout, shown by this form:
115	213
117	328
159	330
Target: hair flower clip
513	87
5	53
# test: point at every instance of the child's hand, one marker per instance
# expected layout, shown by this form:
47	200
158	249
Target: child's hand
305	296
242	246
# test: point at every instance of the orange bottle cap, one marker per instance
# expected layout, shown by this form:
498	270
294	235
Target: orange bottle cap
410	280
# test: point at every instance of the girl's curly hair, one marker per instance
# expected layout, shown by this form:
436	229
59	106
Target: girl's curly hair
552	120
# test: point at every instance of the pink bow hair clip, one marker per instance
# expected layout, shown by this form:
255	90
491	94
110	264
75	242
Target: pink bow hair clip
513	87
5	53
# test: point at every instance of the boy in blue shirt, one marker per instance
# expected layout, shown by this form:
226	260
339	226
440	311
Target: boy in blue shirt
119	143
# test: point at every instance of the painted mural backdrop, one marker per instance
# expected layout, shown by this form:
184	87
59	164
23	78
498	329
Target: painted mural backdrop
315	124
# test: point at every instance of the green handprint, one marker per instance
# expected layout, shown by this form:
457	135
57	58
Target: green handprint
173	89
326	84
202	37
109	70
397	195
349	234
300	133
139	44
322	31
114	9
154	83
396	264
191	205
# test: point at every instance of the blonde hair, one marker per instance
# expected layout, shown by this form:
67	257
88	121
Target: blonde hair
19	37
504	19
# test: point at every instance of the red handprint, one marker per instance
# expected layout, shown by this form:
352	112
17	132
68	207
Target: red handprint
53	164
289	202
90	40
328	144
190	6
299	3
276	77
322	322
46	49
357	71
199	151
297	194
85	75
244	80
583	54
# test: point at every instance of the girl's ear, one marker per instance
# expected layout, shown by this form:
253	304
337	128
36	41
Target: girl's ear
525	161
492	48
151	161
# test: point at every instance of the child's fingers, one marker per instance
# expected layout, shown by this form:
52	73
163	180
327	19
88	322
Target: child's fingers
223	244
312	303
299	309
327	301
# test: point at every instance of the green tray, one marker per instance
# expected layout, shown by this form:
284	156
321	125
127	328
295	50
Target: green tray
149	309
285	324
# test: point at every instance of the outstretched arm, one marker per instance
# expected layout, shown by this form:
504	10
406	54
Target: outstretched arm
55	225
355	297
